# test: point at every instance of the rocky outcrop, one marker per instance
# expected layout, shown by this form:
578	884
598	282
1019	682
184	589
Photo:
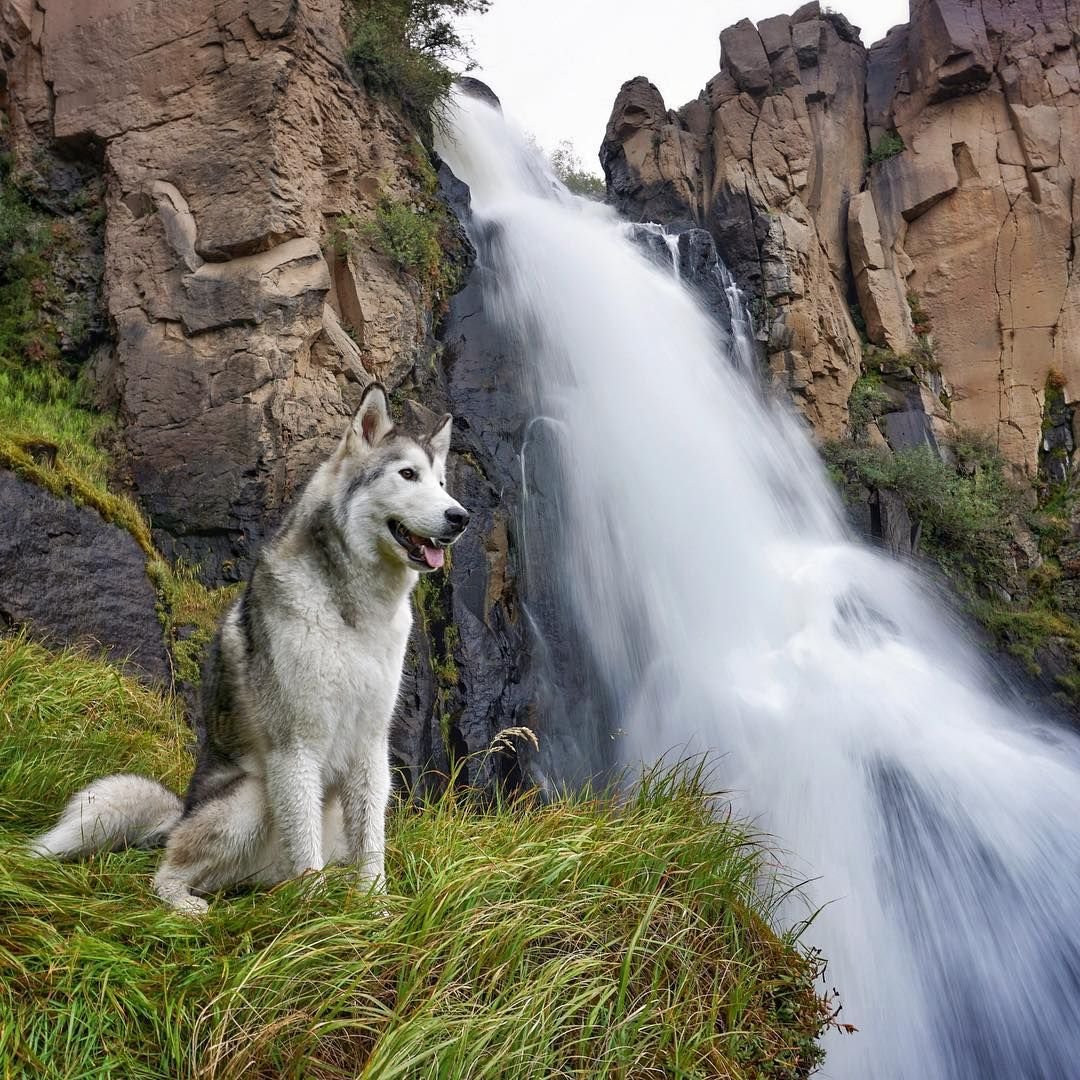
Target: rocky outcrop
941	163
72	578
232	137
765	159
247	305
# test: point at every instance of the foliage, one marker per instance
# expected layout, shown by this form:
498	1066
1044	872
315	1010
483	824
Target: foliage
592	936
408	234
867	401
965	511
417	235
406	49
889	145
577	179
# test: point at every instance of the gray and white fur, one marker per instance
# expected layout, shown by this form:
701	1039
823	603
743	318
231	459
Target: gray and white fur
299	688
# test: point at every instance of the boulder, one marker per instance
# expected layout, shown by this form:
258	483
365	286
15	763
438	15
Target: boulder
743	56
72	578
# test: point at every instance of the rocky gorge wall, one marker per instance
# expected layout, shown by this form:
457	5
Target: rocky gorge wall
242	305
935	169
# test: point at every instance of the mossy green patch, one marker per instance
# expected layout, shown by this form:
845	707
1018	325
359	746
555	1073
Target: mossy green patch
189	613
431	599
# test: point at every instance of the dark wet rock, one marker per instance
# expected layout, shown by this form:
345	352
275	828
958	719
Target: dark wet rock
479	89
72	578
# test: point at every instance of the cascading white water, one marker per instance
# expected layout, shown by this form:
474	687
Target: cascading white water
727	609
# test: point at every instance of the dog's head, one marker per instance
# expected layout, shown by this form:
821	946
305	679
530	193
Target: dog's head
393	481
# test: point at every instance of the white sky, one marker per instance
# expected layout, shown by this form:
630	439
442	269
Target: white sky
558	64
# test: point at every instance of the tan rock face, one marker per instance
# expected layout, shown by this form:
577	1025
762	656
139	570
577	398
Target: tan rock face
976	214
232	138
985	102
768	162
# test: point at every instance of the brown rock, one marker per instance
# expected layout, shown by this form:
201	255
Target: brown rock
742	54
232	141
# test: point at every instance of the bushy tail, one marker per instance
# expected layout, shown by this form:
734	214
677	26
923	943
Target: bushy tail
112	813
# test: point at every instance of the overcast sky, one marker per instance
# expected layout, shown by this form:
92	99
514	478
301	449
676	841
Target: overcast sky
558	64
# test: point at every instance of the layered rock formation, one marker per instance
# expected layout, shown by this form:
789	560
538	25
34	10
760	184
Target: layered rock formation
230	134
244	306
939	165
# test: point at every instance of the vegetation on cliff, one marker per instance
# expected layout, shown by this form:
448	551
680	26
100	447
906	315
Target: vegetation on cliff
408	50
591	936
1010	548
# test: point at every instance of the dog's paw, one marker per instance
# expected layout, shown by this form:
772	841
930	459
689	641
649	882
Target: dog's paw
192	906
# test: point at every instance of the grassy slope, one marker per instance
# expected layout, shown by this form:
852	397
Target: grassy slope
583	938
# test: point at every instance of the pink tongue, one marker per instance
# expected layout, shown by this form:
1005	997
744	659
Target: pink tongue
433	556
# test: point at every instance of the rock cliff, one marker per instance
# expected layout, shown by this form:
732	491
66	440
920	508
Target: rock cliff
848	187
235	163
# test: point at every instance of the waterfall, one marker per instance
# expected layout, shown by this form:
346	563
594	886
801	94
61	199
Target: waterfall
721	605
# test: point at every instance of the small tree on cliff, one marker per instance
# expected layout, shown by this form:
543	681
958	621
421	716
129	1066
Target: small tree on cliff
407	49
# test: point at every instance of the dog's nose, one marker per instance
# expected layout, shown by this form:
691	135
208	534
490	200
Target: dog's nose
458	517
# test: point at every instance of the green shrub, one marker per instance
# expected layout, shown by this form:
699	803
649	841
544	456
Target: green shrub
409	235
965	511
416	234
404	49
889	145
867	401
592	936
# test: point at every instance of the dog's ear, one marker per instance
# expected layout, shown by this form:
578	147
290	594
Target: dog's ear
439	439
372	421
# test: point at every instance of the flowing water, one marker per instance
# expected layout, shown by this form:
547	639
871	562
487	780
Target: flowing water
723	606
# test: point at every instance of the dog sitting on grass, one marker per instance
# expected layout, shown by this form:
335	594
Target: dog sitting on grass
300	685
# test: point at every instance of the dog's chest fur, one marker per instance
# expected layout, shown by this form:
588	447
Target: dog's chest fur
337	662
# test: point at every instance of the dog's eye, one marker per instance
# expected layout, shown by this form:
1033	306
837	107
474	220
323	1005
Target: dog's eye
407	474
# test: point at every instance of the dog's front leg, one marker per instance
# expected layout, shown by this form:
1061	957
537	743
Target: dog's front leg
294	788
364	798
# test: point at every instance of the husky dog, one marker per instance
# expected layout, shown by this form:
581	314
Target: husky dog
298	690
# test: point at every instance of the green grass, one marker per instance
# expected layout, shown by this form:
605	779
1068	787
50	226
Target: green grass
590	937
49	436
66	717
